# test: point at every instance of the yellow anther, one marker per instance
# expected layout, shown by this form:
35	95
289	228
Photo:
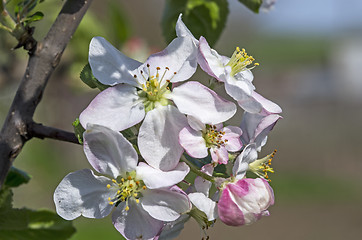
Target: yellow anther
256	64
111	203
137	201
130	185
158	68
237	49
129	178
138	182
108	186
109	199
118	192
144	187
122	179
114	180
126	208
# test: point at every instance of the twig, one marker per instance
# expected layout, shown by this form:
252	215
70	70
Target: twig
39	131
41	65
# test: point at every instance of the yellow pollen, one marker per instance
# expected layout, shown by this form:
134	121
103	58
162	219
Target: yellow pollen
129	178
118	192
111	203
114	180
109	199
137	201
126	208
108	186
135	194
144	187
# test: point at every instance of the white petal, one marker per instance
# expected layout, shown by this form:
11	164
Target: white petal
135	223
158	137
108	151
179	57
193	98
210	61
172	229
182	30
155	178
117	107
165	204
241	165
240	90
202	185
109	65
193	143
204	204
195	123
83	193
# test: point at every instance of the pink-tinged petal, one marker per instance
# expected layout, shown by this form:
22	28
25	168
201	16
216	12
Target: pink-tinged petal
229	212
180	57
108	151
268	106
165	204
195	123
253	197
202	185
193	98
109	65
232	135
83	193
193	142
210	61
158	137
135	223
219	155
241	165
155	178
204	204
116	107
256	128
183	31
255	103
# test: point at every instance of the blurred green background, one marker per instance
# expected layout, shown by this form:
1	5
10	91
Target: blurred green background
310	55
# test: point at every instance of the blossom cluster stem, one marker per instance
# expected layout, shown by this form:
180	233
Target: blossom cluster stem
195	170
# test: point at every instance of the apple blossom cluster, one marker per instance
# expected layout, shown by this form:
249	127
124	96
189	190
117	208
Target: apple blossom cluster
160	146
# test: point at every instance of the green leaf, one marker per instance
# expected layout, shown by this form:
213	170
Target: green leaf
26	224
253	5
78	130
33	18
16	177
203	17
87	77
6	198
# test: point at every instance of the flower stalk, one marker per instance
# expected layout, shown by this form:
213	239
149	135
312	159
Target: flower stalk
195	170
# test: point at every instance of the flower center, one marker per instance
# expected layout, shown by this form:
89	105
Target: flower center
261	167
239	61
154	91
213	138
127	188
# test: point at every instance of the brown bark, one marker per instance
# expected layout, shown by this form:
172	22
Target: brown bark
19	127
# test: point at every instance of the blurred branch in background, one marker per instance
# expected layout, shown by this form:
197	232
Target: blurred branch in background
44	58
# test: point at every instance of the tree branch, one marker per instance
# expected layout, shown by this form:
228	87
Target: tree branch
39	131
41	64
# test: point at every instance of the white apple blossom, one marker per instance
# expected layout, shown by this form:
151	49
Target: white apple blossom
142	91
144	198
200	138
